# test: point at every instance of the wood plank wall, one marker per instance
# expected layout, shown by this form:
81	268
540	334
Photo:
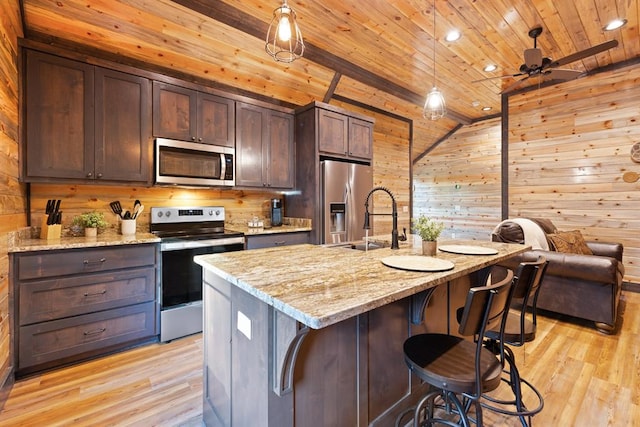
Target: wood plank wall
240	205
12	194
391	168
569	146
459	182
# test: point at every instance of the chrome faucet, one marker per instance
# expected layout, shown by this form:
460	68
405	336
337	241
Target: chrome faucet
394	214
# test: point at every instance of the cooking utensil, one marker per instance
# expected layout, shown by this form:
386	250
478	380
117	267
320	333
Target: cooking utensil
138	212
127	215
116	207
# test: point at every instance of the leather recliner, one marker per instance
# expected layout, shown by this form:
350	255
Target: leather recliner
583	286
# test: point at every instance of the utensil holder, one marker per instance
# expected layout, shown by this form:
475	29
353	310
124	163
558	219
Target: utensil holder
49	232
128	227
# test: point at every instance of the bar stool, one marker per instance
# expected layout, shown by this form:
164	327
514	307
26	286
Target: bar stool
519	329
460	369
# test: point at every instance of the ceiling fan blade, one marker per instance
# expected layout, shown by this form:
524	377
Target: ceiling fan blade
514	85
533	58
564	75
508	76
593	50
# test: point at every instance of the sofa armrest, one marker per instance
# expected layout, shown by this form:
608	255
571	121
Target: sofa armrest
592	268
613	250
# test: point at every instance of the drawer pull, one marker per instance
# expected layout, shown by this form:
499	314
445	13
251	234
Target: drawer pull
95	331
89	262
95	294
279	243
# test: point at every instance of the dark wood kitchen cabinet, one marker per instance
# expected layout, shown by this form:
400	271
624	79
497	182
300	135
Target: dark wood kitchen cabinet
74	304
264	147
189	115
343	135
85	122
277	239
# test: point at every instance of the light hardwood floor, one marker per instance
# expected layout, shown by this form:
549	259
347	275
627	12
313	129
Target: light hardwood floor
587	379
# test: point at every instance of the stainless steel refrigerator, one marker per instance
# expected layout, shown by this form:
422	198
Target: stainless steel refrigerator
343	189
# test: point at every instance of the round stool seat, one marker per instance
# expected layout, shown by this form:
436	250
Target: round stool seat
448	362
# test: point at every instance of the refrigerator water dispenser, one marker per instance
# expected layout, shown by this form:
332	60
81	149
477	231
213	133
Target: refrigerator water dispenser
338	231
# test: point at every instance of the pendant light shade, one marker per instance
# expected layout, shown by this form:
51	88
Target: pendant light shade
284	39
434	107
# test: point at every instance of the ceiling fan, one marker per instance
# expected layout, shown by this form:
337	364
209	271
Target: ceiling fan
537	65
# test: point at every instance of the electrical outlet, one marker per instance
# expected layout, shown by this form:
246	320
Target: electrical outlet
405	209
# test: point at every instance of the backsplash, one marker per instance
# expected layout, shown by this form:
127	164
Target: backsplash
240	205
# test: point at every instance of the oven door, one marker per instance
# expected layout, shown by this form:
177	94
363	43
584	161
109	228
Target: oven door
181	283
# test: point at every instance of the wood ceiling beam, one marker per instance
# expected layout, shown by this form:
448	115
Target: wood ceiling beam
229	15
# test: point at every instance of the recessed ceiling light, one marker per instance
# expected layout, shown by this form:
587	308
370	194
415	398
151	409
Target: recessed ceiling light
486	108
490	67
453	35
615	24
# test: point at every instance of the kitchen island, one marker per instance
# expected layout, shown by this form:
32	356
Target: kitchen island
312	336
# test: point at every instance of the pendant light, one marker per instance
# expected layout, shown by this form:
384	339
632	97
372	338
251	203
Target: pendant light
434	107
284	40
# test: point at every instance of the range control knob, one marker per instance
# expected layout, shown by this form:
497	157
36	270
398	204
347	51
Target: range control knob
210	213
218	212
160	214
168	214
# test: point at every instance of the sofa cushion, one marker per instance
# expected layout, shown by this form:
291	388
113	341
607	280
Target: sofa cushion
569	242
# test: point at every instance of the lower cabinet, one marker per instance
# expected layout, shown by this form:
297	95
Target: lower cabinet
279	239
79	303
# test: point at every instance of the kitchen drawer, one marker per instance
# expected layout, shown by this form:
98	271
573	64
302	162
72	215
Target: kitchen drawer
71	338
82	261
273	240
57	298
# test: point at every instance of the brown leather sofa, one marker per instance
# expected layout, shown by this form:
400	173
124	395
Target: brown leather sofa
584	286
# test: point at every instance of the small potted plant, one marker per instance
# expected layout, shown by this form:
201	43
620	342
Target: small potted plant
91	221
429	231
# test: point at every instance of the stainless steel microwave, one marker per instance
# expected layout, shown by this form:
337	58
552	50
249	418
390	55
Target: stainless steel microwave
192	163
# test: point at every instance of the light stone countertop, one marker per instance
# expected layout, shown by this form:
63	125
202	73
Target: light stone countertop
19	244
289	225
320	286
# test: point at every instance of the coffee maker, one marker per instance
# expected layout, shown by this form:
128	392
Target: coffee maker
276	212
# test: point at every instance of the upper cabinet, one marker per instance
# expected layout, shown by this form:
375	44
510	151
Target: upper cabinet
190	115
85	122
264	147
343	135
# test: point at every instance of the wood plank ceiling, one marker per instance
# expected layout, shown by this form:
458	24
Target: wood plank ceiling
380	52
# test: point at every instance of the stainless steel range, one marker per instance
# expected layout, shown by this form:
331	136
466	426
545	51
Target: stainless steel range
186	232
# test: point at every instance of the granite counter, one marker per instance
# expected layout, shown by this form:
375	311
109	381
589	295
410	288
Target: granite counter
24	243
320	286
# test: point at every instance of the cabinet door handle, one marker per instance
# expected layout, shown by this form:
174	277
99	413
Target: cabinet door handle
95	294
94	332
89	262
279	243
99	175
89	175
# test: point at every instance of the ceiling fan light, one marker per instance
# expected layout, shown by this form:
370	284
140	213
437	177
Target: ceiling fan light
434	107
284	39
490	67
615	24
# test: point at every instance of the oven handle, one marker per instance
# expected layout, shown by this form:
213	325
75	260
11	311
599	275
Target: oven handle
190	244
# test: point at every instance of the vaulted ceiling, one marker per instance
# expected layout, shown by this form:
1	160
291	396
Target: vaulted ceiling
376	52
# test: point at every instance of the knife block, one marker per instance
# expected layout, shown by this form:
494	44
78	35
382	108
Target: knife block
49	232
